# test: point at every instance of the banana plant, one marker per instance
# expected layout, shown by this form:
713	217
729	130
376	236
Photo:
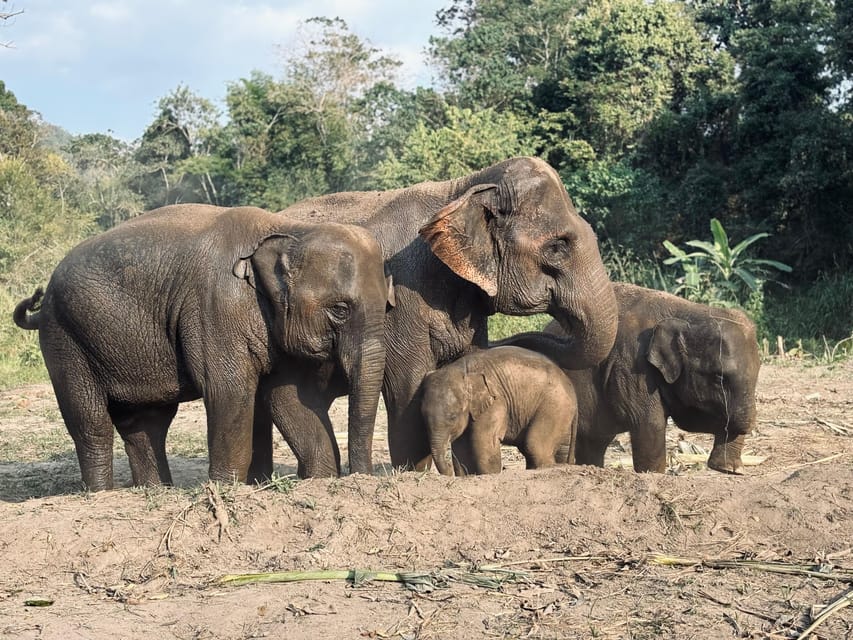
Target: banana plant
730	264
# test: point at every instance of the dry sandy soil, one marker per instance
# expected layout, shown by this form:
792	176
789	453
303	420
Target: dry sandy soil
568	552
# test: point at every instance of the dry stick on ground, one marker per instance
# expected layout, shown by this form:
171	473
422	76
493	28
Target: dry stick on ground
806	464
844	600
166	540
735	605
843	575
501	565
412	579
217	506
835	428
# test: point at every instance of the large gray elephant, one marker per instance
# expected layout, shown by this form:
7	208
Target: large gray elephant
230	305
505	239
490	397
672	358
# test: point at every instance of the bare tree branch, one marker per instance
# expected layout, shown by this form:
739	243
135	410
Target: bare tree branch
6	15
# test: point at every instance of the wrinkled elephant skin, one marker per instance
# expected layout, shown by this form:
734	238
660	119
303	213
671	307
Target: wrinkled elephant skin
505	239
490	397
230	305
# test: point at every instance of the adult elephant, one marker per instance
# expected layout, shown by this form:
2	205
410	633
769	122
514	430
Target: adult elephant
230	305
505	239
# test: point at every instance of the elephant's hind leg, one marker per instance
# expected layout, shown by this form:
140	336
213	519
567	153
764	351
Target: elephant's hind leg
550	434
144	434
84	409
541	446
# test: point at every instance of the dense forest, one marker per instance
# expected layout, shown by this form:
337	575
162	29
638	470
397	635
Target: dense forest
661	116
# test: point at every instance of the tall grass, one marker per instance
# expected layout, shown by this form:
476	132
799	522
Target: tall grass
625	265
818	314
502	326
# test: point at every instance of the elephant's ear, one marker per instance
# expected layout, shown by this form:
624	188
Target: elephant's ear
459	236
268	267
480	395
667	348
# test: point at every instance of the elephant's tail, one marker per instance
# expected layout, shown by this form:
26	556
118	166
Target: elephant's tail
28	310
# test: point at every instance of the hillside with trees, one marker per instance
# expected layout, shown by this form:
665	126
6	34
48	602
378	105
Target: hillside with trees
660	117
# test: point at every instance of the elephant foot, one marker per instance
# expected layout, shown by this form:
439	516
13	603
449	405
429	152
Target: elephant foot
731	467
726	457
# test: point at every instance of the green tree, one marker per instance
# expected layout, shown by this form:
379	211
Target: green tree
469	141
106	168
789	168
310	132
180	152
389	115
495	53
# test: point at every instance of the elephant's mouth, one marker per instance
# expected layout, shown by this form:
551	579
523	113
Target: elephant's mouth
572	325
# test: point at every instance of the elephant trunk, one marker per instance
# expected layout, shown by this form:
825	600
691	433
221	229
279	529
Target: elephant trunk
726	454
442	454
364	368
590	321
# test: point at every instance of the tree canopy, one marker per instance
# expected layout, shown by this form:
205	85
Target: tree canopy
659	115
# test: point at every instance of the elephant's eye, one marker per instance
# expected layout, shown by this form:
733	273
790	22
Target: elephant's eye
557	248
339	311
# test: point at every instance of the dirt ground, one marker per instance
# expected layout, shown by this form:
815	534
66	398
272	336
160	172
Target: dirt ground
569	552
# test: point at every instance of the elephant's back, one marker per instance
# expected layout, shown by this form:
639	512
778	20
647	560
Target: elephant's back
347	207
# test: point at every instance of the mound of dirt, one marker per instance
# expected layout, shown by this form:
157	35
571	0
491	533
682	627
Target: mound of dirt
568	552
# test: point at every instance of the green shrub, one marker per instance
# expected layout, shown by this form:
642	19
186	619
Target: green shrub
820	314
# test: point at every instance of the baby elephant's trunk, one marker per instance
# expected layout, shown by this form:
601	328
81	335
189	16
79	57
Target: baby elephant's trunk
442	454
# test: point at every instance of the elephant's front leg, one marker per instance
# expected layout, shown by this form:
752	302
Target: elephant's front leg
261	467
302	416
648	442
230	414
486	433
726	454
408	439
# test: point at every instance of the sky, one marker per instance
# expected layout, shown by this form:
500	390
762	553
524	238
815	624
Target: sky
102	66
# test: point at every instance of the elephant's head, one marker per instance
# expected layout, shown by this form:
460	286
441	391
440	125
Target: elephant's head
326	296
452	397
515	233
709	365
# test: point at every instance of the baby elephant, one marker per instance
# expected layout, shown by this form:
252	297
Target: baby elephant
503	395
672	358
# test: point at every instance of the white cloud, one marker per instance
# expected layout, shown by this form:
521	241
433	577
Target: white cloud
105	64
112	11
57	39
259	23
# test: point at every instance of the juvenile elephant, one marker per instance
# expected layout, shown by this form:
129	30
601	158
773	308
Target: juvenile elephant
672	358
502	395
230	305
505	239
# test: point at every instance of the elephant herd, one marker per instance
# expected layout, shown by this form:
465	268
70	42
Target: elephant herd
268	317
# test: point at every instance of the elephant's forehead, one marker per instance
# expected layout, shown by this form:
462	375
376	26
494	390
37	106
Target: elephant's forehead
535	230
334	263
